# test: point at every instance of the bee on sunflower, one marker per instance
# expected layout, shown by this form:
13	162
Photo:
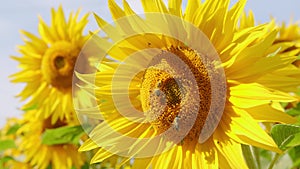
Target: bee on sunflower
183	89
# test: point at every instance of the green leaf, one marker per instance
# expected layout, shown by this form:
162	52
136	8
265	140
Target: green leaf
13	129
62	135
256	154
284	104
249	157
7	144
298	92
85	166
49	166
286	135
33	107
295	141
294	111
266	154
294	154
3	160
6	159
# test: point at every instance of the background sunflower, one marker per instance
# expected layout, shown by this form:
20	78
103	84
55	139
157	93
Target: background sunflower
47	64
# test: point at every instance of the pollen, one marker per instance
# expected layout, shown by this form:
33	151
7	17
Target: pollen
176	93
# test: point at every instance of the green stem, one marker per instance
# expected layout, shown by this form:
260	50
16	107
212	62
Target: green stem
93	166
248	157
89	156
257	156
273	162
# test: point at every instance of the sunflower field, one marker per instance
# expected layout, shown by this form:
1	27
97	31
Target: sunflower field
176	84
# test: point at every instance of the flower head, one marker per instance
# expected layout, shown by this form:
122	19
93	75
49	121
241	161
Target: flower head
164	91
47	64
40	155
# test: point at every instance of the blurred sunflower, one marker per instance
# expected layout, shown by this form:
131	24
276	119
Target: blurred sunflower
286	44
11	154
163	89
13	164
47	64
37	154
289	38
290	34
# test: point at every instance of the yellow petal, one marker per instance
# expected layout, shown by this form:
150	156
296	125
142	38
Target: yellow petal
101	155
154	6
241	127
175	7
251	95
192	6
265	113
142	163
206	156
229	150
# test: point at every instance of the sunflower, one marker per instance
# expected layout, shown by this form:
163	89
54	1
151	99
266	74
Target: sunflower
47	64
289	38
58	156
37	154
8	134
182	89
13	164
287	44
10	157
290	34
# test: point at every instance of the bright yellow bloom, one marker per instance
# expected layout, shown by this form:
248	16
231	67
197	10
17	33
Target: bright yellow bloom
291	35
60	156
287	43
289	38
157	83
47	64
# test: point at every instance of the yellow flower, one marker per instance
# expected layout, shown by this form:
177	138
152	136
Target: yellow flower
290	35
289	40
9	132
163	90
12	164
12	154
287	43
47	64
37	154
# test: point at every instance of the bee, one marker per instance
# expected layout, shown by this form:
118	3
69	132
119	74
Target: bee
157	92
176	122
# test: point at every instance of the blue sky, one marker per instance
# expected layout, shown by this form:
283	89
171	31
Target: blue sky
16	15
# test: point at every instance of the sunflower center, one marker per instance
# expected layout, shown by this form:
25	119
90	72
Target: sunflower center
176	94
58	64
